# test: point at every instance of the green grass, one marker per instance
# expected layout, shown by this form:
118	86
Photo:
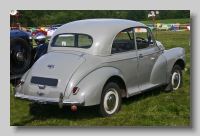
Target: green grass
152	108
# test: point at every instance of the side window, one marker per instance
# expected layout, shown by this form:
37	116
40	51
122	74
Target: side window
144	38
123	41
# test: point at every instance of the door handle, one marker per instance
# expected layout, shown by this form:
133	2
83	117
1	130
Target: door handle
140	56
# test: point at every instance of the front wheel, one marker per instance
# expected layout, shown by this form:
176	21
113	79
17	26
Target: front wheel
110	100
176	79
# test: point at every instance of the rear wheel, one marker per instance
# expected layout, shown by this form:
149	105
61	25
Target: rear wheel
20	56
110	100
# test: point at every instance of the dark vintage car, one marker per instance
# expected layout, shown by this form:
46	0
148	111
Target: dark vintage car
22	53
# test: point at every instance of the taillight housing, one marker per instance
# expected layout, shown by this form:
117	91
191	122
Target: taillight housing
75	90
20	82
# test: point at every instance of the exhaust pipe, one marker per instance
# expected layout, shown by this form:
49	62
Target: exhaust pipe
73	108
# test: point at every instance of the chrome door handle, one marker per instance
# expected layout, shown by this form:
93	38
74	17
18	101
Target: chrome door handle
140	56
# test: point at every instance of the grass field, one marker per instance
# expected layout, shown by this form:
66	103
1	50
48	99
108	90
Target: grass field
152	108
168	21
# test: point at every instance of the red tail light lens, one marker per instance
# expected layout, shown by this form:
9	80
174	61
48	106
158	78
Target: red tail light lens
20	82
75	90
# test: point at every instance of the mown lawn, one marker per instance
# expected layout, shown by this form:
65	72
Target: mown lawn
152	108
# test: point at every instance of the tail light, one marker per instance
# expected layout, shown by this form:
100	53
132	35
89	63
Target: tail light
75	90
20	82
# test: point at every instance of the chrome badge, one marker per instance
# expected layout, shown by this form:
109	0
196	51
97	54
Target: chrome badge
50	66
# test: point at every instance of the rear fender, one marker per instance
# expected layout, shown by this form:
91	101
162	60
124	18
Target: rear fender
91	86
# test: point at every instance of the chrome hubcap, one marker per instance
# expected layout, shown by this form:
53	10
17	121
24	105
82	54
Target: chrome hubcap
176	80
111	101
19	56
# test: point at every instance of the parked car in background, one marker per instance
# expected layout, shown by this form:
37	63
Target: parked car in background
22	53
39	31
53	28
98	62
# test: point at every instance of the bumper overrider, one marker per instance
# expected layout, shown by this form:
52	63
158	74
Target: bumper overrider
60	101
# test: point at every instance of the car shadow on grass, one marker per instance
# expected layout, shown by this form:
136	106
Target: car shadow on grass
49	111
45	111
144	95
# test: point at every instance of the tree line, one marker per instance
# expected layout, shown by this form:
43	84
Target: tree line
29	18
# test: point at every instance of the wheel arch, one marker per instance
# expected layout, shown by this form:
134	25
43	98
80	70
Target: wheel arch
181	63
92	85
120	82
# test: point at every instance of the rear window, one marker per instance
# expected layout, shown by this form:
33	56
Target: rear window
72	40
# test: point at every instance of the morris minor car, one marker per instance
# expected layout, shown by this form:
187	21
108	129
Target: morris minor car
99	62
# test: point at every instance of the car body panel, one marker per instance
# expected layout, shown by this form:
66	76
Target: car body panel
172	56
69	63
91	86
149	59
19	33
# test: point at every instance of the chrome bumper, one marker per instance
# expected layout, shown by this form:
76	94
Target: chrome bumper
58	101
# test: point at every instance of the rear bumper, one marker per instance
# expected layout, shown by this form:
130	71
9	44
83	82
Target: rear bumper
60	101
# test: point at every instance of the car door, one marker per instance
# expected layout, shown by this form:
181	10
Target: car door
147	54
123	57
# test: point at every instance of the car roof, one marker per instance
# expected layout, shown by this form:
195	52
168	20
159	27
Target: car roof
103	32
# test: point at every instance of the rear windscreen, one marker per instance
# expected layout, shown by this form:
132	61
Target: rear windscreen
72	40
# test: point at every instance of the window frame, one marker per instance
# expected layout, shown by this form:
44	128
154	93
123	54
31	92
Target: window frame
75	40
148	31
130	38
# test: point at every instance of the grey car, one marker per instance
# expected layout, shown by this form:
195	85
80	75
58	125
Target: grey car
98	62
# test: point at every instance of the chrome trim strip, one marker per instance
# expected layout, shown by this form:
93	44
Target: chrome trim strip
119	60
129	58
151	53
52	101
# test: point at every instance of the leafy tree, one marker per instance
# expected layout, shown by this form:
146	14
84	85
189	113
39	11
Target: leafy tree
34	18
